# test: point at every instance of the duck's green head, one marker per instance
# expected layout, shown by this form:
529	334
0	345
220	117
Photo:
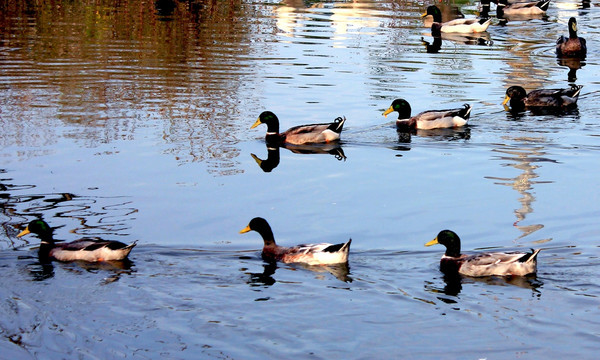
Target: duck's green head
450	240
435	12
268	118
401	106
262	227
38	227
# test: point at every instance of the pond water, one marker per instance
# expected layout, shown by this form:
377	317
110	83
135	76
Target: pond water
129	120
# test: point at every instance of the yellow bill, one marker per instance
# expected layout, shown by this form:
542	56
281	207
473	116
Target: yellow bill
390	110
432	242
258	161
258	122
506	99
245	230
24	232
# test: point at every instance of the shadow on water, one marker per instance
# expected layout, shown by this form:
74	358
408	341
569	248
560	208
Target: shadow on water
267	278
449	134
41	270
273	158
453	284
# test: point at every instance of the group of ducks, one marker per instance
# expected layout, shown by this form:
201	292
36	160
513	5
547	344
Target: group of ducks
481	264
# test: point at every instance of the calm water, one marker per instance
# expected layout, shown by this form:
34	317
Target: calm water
129	120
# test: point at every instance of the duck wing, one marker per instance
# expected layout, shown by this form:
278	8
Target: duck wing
432	119
499	263
91	245
553	97
314	133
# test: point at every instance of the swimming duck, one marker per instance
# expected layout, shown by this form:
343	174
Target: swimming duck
572	46
542	98
87	250
298	135
522	8
456	25
312	254
483	264
430	119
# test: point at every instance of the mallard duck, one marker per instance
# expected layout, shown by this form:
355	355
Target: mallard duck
456	25
522	8
312	254
542	98
483	264
572	46
430	119
87	250
298	135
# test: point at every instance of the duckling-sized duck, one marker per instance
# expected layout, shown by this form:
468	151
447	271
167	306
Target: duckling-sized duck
483	264
298	135
454	26
429	119
312	254
542	98
86	250
522	8
572	46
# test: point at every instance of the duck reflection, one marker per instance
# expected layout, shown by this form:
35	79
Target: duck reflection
447	134
573	64
435	45
453	284
273	157
272	160
526	157
340	271
482	39
43	268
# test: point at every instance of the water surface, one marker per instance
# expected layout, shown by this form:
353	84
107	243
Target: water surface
130	121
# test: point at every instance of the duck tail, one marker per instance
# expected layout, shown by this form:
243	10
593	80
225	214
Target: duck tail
543	4
486	21
576	90
343	247
346	247
529	257
337	125
465	112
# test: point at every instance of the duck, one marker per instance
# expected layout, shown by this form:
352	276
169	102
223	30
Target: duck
86	250
429	119
514	263
454	26
299	135
310	254
542	98
572	46
522	8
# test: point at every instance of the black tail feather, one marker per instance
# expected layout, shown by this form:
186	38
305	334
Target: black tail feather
337	125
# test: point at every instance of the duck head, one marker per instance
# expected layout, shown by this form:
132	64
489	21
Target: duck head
516	95
41	229
572	28
450	240
262	227
435	12
401	106
270	119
